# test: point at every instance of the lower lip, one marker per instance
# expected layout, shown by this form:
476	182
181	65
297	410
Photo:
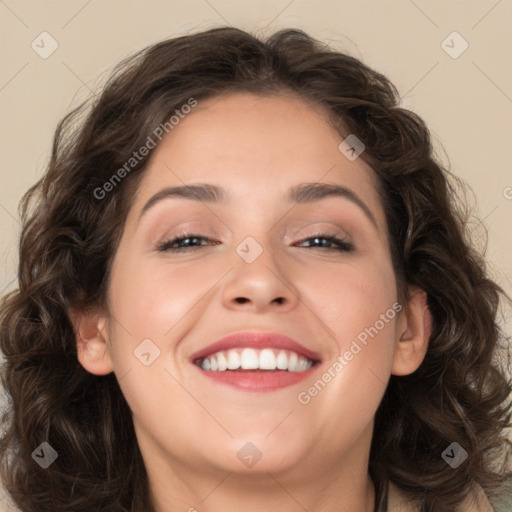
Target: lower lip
258	380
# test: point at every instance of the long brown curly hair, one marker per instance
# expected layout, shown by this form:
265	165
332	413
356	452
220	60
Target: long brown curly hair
460	393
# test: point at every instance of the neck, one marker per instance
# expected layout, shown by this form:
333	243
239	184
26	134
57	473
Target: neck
339	482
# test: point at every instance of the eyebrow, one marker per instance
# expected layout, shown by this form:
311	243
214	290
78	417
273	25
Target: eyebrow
300	194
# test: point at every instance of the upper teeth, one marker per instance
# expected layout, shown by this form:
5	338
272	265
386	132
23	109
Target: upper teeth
255	359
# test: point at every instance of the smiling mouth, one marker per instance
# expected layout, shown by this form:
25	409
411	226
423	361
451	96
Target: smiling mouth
255	360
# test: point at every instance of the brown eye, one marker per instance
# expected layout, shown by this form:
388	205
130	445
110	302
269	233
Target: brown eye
183	242
326	241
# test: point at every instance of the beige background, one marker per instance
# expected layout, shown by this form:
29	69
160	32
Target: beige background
466	101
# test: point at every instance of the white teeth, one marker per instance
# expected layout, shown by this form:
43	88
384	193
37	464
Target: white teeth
233	360
254	359
293	359
222	362
302	364
267	359
249	359
282	360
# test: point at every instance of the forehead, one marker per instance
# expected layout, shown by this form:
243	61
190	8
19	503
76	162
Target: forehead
256	147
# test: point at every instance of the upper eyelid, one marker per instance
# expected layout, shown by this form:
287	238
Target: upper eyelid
322	231
323	228
320	227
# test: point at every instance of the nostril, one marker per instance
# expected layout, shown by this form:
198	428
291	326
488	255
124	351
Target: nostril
242	300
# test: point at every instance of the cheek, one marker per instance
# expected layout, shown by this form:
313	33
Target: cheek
154	303
352	294
358	308
151	299
349	303
161	303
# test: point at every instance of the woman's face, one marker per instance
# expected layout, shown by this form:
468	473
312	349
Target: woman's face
257	261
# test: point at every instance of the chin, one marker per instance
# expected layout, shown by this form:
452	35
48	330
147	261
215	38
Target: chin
262	455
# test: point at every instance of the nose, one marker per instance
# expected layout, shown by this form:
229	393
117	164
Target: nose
263	285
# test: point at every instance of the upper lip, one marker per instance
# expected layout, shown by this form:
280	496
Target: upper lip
254	339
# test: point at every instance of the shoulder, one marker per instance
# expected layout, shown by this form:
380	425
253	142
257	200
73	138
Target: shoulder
476	502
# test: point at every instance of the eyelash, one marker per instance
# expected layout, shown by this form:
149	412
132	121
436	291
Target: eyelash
343	245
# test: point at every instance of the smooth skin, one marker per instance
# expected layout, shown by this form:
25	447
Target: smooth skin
189	428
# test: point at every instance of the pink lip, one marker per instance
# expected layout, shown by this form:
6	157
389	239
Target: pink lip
256	380
259	340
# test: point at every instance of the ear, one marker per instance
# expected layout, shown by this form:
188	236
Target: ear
91	335
413	334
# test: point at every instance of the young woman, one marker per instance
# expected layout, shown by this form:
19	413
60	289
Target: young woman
244	285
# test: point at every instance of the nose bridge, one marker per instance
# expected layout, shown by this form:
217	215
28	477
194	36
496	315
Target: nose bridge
259	278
